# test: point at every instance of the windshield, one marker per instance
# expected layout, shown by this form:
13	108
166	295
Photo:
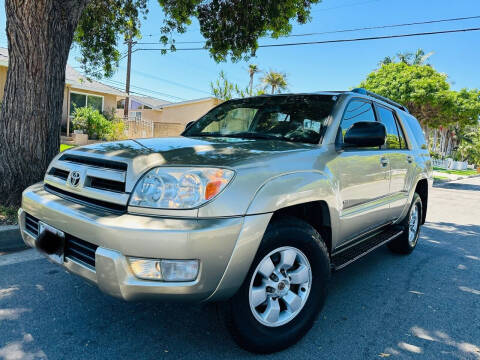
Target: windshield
299	118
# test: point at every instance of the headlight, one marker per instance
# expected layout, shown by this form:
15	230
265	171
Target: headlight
179	188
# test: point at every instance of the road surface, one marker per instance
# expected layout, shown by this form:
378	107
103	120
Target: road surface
422	306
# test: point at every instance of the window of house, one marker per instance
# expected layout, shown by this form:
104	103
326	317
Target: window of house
135	105
121	104
84	100
136	114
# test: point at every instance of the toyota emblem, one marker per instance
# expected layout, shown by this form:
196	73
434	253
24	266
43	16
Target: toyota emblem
74	178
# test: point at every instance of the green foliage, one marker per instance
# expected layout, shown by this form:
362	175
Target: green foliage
420	87
419	58
276	81
117	131
102	24
223	89
252	70
231	28
470	149
64	147
8	215
91	122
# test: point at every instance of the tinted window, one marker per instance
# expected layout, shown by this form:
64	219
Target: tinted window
403	142
356	111
388	119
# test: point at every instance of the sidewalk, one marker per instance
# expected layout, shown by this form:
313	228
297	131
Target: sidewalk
450	177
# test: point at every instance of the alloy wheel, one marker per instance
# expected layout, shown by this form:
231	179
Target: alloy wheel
280	286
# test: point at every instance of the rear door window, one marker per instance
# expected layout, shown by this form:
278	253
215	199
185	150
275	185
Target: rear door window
394	140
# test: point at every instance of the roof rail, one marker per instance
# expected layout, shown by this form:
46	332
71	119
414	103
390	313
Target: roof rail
379	97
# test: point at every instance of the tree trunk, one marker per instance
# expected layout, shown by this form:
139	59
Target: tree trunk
40	33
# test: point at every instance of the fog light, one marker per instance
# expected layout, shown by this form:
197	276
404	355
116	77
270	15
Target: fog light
146	268
166	270
179	270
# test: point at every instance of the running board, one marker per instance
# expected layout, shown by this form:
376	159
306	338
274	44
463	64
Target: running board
347	255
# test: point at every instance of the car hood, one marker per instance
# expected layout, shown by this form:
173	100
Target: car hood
202	151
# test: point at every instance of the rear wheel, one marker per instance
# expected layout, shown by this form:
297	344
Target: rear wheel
406	243
284	289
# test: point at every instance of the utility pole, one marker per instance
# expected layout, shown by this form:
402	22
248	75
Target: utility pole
129	42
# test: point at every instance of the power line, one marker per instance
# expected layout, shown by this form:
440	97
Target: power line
349	30
332	41
171	82
119	83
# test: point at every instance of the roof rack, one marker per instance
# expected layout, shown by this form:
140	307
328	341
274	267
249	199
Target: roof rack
379	97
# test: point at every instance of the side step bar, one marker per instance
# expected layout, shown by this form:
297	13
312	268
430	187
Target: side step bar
346	256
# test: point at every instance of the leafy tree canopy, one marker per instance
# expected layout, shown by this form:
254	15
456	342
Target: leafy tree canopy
231	28
420	87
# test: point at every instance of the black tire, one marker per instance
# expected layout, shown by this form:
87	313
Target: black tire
246	330
402	245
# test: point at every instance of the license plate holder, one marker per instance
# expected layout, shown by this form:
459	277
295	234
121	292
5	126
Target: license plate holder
51	241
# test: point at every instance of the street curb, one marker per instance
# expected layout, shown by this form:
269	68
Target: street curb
10	238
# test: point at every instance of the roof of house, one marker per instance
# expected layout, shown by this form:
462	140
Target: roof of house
159	104
74	79
188	102
154	103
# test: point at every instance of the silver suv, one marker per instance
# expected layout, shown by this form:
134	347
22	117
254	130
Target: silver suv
253	207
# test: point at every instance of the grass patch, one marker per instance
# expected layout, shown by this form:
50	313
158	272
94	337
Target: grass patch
456	172
440	178
64	147
8	215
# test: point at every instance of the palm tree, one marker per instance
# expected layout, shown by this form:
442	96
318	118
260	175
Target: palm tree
420	57
252	70
405	57
275	80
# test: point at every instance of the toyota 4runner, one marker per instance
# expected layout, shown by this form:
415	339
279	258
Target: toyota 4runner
254	205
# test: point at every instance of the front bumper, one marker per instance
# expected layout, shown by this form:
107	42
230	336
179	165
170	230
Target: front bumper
224	246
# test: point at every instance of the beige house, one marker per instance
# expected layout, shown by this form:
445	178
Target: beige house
169	119
79	91
159	117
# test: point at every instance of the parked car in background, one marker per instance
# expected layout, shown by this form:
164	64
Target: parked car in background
255	205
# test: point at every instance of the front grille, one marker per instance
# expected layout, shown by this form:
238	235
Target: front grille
105	184
31	224
59	173
75	248
107	164
83	200
80	251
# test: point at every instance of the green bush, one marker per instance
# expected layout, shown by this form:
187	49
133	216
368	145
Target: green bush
117	131
91	122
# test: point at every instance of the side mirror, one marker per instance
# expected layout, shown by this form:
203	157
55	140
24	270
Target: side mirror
365	134
190	123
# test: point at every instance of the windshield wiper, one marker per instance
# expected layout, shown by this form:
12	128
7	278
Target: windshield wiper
257	136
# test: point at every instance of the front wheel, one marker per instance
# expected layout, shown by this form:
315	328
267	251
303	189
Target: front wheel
284	289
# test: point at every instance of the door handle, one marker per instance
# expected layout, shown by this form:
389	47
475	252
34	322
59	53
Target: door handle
410	159
384	161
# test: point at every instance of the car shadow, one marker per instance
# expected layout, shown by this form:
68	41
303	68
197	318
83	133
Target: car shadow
382	305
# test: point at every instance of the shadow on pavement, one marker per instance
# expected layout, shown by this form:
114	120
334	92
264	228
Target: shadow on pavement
421	306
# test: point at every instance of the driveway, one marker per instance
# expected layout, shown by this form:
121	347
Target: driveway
423	306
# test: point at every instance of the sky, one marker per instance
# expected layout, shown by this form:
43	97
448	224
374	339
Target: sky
184	75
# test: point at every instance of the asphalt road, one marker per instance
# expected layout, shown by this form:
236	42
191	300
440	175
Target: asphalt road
423	306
